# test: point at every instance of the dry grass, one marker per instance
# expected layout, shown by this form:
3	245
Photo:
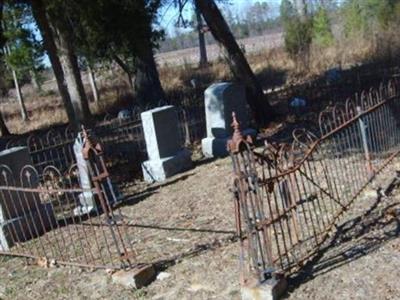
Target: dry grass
363	263
271	64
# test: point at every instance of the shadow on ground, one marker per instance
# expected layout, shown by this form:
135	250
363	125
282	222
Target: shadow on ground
353	240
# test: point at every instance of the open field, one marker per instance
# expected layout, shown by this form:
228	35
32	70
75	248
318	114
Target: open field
215	52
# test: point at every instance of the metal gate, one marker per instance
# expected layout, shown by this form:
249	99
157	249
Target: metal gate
289	196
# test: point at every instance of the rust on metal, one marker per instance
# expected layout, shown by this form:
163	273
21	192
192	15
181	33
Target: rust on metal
55	216
288	197
234	144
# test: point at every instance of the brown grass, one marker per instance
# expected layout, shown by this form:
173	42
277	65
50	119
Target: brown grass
272	66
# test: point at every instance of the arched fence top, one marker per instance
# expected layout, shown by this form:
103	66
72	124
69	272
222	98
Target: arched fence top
305	143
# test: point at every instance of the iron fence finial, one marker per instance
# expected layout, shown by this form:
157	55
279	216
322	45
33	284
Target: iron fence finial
237	137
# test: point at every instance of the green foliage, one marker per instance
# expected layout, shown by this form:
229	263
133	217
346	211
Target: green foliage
24	53
362	16
298	32
105	28
322	33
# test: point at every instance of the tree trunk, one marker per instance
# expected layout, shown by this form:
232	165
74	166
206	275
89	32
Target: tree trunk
202	42
21	103
72	73
93	85
147	82
238	63
20	98
34	81
124	68
39	13
3	127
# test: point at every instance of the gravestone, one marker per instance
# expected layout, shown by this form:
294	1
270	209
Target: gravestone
161	133
87	203
221	100
22	215
10	206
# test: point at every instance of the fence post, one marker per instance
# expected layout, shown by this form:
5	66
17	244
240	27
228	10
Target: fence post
363	130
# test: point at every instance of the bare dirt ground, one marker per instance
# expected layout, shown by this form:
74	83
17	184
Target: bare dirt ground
189	221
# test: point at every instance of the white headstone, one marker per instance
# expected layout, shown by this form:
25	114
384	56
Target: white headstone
86	199
161	133
221	99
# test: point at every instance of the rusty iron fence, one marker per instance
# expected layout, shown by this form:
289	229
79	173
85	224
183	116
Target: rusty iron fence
288	197
52	216
122	139
57	218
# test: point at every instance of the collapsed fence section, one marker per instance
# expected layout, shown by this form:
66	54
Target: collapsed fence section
289	196
59	218
53	216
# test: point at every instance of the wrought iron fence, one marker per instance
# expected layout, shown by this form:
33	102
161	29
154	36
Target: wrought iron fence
59	218
51	215
289	196
122	139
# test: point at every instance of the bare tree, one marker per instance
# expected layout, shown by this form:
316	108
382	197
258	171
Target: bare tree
238	63
202	41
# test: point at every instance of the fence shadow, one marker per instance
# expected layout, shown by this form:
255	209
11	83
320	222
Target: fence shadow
134	198
342	249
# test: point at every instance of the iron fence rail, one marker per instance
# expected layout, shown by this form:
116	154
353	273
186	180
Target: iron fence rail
49	215
289	196
122	139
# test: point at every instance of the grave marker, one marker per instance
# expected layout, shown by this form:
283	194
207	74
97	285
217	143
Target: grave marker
22	215
221	99
166	156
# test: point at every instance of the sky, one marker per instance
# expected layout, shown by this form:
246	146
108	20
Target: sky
169	14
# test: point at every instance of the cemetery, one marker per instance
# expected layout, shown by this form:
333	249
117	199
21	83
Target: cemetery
60	203
200	149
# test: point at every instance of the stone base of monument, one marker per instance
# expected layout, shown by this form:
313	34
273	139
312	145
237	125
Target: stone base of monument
161	169
26	227
271	289
87	204
217	147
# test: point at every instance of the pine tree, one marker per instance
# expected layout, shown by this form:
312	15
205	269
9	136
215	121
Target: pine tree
322	33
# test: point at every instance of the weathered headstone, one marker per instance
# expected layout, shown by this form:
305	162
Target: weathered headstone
221	99
87	203
22	215
10	206
166	156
